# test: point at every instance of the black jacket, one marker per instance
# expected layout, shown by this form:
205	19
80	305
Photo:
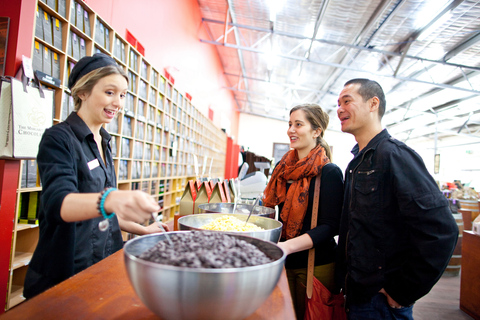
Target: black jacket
397	231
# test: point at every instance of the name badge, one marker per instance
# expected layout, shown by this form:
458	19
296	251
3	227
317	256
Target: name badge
93	164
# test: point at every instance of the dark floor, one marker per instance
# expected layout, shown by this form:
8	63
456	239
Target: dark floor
442	302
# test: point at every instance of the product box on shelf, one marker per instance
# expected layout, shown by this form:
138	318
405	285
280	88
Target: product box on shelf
117	53
79	17
37	59
73	10
51	4
31	167
57	33
39	23
47	29
99	33
86	23
83	49
47	61
107	39
56	66
62	8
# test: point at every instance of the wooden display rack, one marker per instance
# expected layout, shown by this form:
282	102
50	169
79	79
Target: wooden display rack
154	139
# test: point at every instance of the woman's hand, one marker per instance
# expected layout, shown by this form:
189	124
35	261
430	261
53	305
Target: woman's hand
297	244
136	206
285	247
154	228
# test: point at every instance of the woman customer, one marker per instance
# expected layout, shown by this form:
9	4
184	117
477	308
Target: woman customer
81	212
291	187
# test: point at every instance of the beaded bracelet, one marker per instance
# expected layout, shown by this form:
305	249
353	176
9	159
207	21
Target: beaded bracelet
101	203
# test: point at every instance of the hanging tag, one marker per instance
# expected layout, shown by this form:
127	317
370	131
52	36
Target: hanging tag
27	67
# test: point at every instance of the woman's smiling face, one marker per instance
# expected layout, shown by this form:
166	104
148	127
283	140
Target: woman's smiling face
105	100
302	136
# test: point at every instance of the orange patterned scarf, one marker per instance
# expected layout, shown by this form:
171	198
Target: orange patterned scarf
296	200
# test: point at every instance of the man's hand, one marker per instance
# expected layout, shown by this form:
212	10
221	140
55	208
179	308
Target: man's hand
392	303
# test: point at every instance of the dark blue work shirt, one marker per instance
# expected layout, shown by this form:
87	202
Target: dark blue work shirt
69	162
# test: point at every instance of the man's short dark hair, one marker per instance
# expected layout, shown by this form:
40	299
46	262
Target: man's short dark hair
369	89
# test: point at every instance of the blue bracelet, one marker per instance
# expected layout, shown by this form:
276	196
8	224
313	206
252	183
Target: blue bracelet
101	203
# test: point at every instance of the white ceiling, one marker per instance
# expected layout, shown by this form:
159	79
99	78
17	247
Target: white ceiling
425	54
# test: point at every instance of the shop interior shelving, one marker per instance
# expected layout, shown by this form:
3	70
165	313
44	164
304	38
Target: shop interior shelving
156	137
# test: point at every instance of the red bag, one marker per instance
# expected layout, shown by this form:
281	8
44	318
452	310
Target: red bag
323	304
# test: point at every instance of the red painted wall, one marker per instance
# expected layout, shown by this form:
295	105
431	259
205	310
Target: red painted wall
21	27
170	31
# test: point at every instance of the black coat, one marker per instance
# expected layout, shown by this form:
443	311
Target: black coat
397	231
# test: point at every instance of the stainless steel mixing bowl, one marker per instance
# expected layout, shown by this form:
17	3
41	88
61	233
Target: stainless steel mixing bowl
272	232
227	207
199	293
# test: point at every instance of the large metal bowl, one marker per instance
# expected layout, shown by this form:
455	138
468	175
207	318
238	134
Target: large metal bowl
272	232
227	207
199	293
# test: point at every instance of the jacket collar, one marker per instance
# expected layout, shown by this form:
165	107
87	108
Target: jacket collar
81	130
373	143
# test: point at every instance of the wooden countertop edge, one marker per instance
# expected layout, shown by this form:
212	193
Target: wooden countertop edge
104	290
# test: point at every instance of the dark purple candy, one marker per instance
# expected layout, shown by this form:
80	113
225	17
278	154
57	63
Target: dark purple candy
204	249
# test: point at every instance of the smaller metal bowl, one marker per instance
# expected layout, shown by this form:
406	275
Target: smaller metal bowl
241	208
272	232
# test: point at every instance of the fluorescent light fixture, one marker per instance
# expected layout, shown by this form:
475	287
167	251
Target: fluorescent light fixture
272	56
434	26
275	6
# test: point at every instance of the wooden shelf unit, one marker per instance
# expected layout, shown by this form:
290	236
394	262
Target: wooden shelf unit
154	138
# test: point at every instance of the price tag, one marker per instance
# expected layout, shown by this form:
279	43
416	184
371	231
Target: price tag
27	67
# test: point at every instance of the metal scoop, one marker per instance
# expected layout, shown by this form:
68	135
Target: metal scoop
155	217
257	200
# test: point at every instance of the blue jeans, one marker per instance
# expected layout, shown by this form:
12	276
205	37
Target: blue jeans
378	308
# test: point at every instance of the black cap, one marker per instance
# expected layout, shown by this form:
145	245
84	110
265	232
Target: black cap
88	64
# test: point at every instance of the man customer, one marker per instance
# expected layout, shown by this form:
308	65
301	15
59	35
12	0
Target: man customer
397	233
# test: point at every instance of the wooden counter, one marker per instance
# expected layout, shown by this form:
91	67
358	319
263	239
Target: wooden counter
470	275
103	291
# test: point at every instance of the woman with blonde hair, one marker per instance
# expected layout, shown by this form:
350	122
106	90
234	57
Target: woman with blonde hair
81	213
291	188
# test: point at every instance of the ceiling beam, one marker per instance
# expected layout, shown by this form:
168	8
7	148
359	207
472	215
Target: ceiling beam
336	65
237	37
462	46
336	43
